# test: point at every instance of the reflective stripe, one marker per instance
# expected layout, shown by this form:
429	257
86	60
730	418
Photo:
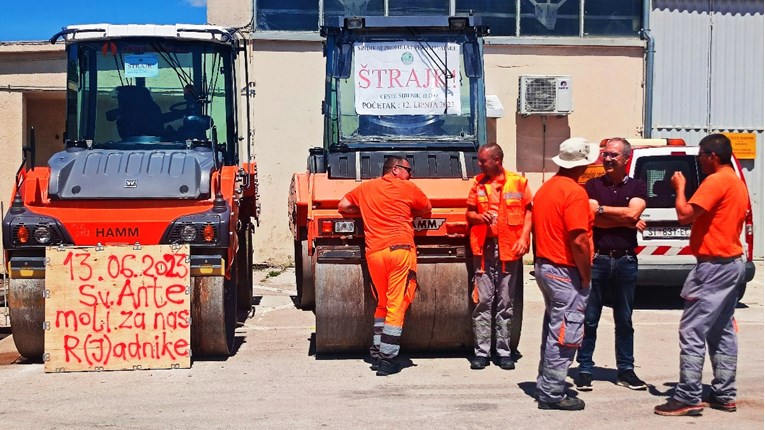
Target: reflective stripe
482	330
389	351
377	330
663	250
392	330
559	374
691	367
724	359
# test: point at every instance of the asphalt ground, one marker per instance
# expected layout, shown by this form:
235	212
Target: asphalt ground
274	381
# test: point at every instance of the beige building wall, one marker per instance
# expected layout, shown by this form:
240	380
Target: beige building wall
288	82
30	73
607	98
289	88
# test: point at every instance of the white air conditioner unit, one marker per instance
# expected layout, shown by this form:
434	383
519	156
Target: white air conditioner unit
545	95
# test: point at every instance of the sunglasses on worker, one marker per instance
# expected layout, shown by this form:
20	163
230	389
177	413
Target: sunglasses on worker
408	169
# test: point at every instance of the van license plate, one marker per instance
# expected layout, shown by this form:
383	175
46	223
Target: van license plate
666	232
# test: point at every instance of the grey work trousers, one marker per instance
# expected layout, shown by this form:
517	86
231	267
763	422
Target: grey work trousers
494	282
710	295
562	328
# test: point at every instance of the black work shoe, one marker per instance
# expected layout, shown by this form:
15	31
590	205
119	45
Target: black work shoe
567	404
676	408
387	367
479	363
584	382
630	380
506	363
375	364
515	354
713	402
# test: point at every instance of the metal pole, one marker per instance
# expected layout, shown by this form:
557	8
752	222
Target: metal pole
645	34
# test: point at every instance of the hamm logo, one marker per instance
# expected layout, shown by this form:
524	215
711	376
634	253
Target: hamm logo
117	232
428	223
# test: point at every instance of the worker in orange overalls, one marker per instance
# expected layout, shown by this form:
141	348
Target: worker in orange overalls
716	212
388	206
563	218
499	215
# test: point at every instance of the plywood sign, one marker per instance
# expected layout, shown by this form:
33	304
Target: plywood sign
117	308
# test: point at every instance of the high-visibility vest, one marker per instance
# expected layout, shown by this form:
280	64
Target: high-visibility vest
512	211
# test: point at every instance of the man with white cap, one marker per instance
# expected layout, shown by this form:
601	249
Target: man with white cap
562	221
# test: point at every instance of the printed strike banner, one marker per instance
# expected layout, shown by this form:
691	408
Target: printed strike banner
406	78
117	308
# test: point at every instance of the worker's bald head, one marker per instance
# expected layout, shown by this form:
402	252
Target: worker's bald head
494	151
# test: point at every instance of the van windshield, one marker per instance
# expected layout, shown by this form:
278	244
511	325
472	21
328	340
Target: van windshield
656	172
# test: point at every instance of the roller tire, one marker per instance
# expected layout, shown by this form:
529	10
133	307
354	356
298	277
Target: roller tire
244	276
213	315
26	305
439	319
344	308
304	277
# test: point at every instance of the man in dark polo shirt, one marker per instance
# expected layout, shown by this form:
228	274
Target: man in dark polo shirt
620	200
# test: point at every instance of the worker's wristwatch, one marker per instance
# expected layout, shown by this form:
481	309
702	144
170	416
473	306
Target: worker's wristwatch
600	210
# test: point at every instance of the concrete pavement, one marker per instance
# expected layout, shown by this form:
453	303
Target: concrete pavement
274	381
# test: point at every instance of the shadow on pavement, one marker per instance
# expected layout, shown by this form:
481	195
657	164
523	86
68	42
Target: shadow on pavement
656	392
598	374
530	389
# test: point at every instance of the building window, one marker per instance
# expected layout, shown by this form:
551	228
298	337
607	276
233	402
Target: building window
419	7
498	15
549	18
337	8
557	18
287	15
612	18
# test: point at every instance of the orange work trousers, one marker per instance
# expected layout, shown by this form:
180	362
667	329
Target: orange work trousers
394	275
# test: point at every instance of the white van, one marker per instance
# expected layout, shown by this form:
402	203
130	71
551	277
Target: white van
664	256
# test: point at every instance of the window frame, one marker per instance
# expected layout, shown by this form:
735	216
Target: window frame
516	39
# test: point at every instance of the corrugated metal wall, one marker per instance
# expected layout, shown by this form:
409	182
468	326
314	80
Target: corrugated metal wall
709	77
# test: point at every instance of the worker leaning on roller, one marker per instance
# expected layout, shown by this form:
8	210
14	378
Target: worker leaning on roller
388	206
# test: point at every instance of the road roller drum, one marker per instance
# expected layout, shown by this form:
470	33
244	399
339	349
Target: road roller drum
437	320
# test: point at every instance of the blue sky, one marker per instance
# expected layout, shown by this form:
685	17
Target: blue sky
28	20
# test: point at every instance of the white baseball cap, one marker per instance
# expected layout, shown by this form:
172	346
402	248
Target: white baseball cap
576	151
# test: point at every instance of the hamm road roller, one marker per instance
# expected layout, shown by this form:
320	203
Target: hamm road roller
410	86
150	156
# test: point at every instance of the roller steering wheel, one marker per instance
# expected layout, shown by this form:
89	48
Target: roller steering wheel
180	107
